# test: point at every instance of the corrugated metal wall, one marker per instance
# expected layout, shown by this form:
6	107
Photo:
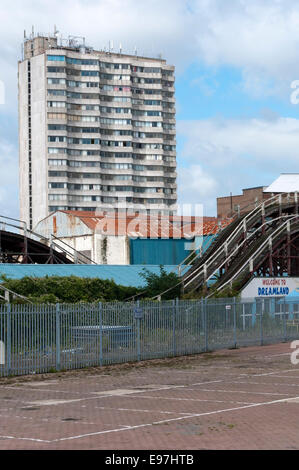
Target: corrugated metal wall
166	252
158	251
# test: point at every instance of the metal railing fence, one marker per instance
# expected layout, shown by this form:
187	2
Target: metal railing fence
48	338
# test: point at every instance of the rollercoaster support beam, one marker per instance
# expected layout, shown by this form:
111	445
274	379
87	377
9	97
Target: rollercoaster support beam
270	257
226	253
263	219
25	261
251	266
289	248
17	249
51	260
244	230
182	288
286	267
205	270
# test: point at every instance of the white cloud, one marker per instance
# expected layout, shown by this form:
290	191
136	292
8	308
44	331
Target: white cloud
235	154
259	37
152	26
266	139
197	187
206	84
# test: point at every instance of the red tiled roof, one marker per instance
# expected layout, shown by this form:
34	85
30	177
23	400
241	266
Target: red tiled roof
149	226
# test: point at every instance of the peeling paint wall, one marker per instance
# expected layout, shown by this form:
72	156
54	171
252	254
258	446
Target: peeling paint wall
104	249
61	225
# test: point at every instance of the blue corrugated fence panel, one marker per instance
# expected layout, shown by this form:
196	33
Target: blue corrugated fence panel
150	251
123	275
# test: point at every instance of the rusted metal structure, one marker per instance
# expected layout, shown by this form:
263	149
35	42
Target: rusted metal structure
263	242
15	248
23	246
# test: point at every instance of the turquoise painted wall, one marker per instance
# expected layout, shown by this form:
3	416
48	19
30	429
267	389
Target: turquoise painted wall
166	252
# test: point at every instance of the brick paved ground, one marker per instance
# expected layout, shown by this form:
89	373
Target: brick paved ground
234	399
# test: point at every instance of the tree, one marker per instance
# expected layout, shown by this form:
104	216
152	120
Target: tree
156	284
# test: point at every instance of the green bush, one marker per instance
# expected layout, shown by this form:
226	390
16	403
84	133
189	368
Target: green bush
71	289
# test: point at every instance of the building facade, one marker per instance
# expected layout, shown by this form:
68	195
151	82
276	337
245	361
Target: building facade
97	131
118	239
230	206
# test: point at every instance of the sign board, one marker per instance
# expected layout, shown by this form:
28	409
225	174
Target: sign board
271	287
138	312
228	307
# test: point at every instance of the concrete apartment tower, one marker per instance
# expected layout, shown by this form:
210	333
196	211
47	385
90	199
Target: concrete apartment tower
96	130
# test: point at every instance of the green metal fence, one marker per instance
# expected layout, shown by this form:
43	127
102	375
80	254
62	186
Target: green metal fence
45	338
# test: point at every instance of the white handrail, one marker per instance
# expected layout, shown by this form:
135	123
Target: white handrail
213	234
259	249
33	235
244	241
236	249
238	230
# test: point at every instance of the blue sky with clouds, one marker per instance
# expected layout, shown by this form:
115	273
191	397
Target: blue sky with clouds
235	62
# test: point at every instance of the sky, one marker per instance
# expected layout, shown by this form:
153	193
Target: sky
236	70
